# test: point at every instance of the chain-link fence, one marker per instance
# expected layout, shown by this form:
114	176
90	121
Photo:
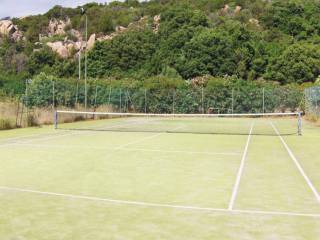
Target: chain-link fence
183	99
312	101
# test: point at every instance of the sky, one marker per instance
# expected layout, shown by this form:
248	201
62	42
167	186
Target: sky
21	8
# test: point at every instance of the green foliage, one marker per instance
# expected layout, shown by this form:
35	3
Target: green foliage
267	40
294	17
297	64
126	52
46	61
12	84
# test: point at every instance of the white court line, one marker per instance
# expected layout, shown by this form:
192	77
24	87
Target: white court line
159	205
240	171
295	160
126	149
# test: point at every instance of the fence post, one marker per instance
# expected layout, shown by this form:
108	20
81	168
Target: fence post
109	100
232	101
145	100
202	99
173	101
263	101
120	100
53	95
95	96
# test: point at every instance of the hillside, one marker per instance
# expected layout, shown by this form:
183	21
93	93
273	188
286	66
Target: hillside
250	39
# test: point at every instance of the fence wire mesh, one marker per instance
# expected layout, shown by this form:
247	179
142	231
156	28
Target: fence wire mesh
312	101
213	99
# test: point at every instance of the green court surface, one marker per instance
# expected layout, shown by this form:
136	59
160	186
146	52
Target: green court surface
155	178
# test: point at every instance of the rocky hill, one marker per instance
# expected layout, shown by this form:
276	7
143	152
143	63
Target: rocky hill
73	41
251	39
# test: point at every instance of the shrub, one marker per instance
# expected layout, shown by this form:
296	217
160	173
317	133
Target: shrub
6	123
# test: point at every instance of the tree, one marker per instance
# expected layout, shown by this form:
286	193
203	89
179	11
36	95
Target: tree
127	52
299	63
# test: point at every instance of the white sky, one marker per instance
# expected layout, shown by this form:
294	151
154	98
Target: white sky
20	8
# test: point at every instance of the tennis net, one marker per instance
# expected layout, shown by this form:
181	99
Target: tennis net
233	124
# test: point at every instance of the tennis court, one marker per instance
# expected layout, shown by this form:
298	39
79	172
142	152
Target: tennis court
161	178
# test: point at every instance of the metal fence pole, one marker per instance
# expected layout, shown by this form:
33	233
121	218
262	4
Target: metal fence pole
120	101
232	101
95	97
109	100
145	100
263	101
53	95
173	101
202	99
27	101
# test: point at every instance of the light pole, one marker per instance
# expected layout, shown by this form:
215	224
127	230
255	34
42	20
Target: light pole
85	66
79	77
85	59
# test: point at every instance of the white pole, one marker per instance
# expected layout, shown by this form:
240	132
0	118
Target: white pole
85	67
79	77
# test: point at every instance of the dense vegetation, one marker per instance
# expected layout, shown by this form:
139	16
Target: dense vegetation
270	43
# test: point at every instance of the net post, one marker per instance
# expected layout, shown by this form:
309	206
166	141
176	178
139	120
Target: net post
299	124
55	117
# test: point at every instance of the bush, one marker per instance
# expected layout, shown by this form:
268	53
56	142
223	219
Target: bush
6	123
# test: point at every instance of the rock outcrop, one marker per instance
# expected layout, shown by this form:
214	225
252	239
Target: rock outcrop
156	23
57	27
228	11
120	29
67	47
237	9
60	48
91	42
7	28
254	21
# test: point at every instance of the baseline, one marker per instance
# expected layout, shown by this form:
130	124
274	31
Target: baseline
158	205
